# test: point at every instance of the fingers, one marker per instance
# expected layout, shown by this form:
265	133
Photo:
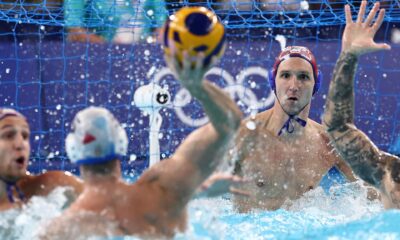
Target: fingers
379	20
214	60
175	66
172	58
383	46
199	61
348	14
361	13
185	61
372	14
240	192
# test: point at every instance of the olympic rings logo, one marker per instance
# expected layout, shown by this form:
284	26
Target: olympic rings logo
235	88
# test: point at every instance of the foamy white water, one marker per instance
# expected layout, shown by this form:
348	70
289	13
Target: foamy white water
317	214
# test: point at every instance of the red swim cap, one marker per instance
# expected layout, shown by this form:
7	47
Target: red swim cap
301	52
8	112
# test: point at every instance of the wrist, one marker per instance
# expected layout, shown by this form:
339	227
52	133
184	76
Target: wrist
349	54
196	90
349	48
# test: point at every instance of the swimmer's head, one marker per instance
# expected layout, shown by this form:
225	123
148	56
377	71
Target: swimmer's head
96	137
299	52
14	144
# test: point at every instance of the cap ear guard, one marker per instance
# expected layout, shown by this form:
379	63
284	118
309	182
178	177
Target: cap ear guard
271	79
318	82
317	85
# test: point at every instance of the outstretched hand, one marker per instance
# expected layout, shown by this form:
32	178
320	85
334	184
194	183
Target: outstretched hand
358	36
191	71
220	183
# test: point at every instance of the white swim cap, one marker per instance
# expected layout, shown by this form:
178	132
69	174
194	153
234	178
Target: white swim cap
96	137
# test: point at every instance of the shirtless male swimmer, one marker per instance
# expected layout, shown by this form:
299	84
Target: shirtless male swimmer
287	153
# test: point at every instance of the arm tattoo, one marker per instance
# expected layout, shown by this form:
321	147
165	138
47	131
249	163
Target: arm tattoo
340	102
366	160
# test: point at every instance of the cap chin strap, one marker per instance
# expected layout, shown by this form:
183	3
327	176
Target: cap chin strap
9	187
289	125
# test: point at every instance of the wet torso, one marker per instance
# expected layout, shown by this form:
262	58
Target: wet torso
122	209
279	168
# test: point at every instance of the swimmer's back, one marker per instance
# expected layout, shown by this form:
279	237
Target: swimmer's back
140	209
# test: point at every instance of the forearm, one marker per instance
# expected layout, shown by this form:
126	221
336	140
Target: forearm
222	111
199	154
353	145
365	159
339	108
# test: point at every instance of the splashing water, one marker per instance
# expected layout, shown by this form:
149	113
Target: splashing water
316	215
24	223
343	213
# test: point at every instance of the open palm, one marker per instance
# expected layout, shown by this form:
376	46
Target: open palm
358	36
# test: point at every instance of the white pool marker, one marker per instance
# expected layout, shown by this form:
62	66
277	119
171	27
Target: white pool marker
282	41
151	99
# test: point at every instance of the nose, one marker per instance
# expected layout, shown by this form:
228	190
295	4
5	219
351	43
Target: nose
19	142
294	84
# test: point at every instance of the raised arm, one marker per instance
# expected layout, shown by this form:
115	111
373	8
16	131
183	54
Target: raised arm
199	154
223	113
366	160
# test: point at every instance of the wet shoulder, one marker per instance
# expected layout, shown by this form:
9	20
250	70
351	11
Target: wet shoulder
254	125
318	131
44	183
323	144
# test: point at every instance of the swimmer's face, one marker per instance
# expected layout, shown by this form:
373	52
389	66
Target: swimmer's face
14	147
294	84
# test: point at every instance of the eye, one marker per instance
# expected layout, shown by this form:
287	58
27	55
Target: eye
303	76
8	135
285	75
26	135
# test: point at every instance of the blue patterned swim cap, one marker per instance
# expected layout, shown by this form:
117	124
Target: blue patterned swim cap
96	137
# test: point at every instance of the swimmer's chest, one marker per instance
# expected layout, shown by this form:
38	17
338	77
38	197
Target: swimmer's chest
273	163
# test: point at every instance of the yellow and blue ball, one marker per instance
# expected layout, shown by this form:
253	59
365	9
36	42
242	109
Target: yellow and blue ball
194	30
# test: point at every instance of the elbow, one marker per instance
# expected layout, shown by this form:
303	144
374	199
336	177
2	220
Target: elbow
338	130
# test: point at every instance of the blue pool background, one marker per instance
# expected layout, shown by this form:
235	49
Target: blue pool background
50	79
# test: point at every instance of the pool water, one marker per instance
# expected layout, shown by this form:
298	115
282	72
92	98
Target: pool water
343	212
